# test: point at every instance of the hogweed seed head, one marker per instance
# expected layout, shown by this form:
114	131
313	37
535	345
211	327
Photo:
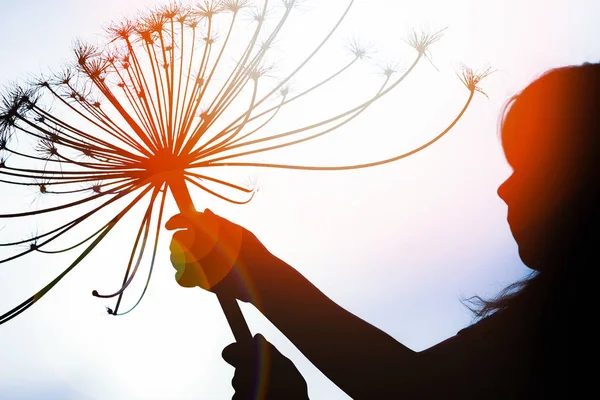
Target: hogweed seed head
359	49
471	78
160	105
421	40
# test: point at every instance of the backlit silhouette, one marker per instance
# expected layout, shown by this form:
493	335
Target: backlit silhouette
522	343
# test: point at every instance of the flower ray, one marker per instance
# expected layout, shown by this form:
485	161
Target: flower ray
158	226
142	232
37	296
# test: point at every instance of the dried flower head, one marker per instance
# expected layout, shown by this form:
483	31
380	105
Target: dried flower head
471	78
159	106
359	49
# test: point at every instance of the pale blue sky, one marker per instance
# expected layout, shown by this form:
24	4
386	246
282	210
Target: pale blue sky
397	245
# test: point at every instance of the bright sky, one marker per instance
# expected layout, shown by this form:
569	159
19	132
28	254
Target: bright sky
397	245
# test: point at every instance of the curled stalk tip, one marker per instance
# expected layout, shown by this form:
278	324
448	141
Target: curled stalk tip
471	78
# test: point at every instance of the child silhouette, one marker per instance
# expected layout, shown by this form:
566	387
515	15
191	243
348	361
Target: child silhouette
521	345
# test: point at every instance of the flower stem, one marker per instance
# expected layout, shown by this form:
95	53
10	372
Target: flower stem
230	307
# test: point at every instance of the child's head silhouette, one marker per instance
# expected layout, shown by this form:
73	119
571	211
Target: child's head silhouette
551	138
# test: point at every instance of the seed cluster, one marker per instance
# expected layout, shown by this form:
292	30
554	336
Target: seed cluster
154	104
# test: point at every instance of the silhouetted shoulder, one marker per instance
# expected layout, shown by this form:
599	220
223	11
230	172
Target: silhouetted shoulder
521	352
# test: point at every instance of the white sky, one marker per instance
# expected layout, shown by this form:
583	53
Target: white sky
397	245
